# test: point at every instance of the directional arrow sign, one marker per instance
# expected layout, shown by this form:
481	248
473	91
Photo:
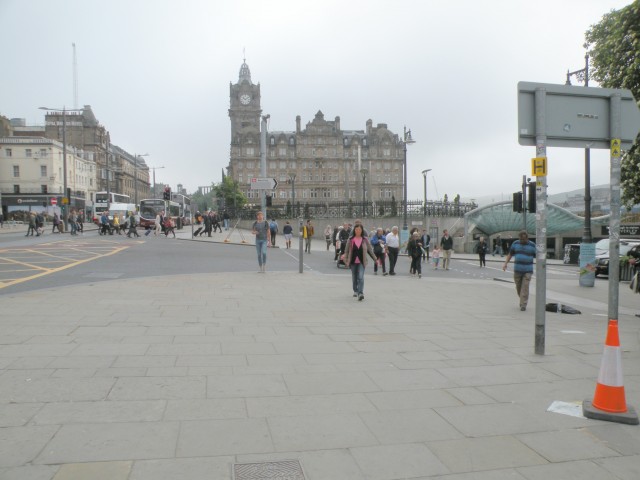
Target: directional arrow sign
265	183
576	117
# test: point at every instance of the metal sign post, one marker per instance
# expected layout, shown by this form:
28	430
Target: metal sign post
300	241
541	223
614	219
578	117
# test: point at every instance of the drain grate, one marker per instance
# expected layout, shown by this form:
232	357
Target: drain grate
281	470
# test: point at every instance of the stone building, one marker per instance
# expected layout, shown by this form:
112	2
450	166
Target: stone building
326	162
32	176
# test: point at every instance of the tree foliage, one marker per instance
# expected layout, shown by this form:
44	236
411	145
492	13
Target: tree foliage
228	193
614	47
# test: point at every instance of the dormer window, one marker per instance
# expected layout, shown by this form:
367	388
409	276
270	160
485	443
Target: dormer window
272	141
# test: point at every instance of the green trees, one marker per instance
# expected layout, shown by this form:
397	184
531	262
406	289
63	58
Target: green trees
614	47
227	192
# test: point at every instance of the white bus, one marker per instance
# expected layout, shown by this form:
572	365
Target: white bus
120	209
185	208
111	201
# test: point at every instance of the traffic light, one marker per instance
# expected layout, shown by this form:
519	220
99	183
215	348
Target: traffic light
269	200
517	202
69	193
531	197
166	195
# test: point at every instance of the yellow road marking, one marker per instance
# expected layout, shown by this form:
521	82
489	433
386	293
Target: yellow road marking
59	269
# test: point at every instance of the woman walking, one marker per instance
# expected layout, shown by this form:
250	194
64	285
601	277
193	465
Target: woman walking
261	230
483	248
328	231
355	257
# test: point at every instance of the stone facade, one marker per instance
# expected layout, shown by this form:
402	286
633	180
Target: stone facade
329	163
116	171
31	174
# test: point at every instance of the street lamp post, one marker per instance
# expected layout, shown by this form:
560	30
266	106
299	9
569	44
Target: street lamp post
424	175
587	250
64	110
363	172
135	175
154	178
292	180
406	140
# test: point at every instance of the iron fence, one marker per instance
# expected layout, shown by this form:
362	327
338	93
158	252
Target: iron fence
351	209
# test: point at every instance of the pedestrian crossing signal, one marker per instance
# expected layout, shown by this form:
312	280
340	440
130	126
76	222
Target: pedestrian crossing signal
517	202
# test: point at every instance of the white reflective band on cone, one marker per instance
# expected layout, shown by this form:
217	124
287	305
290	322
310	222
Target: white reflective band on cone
611	367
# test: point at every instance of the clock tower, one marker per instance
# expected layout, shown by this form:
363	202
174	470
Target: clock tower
244	111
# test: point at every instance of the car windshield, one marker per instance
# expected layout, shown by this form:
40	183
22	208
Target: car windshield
625	246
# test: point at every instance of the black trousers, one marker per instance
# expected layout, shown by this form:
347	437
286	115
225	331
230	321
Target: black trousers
393	258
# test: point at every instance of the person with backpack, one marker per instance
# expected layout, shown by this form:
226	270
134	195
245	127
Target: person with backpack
260	229
273	229
132	225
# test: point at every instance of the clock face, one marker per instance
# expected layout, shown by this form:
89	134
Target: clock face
245	99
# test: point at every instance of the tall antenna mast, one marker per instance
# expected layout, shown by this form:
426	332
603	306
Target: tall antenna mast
75	78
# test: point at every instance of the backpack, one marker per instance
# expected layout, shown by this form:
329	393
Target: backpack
273	226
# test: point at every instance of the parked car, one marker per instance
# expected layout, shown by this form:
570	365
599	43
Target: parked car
602	260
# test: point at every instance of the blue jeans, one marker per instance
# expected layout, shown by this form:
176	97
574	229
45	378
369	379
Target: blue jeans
226	223
261	250
357	277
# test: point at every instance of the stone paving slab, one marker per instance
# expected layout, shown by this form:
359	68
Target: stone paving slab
429	385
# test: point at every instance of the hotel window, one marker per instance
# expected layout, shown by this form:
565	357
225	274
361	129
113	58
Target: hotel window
282	152
43	189
386	152
250	151
8	152
43	153
43	170
16	171
16	189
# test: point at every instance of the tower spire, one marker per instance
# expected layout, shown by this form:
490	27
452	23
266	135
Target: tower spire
245	73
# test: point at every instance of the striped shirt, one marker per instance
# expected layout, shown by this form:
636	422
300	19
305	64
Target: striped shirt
523	256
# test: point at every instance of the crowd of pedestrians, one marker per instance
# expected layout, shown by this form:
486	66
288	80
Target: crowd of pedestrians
209	222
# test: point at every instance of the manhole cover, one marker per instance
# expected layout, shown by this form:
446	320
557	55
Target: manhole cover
282	470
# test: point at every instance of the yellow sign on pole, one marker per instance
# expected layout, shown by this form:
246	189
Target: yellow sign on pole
539	167
615	147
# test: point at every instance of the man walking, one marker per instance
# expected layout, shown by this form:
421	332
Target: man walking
524	252
308	235
446	243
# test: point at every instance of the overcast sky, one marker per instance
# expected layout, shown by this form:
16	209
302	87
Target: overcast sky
157	75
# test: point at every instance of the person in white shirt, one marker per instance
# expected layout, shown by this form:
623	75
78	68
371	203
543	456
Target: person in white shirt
393	248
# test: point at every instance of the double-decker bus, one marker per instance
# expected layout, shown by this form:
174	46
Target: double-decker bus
185	208
113	202
151	207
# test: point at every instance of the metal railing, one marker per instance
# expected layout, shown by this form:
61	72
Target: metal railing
355	209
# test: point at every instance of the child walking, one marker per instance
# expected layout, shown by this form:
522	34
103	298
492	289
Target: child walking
435	255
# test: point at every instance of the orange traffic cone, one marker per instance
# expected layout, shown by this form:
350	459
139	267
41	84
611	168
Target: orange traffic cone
609	399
